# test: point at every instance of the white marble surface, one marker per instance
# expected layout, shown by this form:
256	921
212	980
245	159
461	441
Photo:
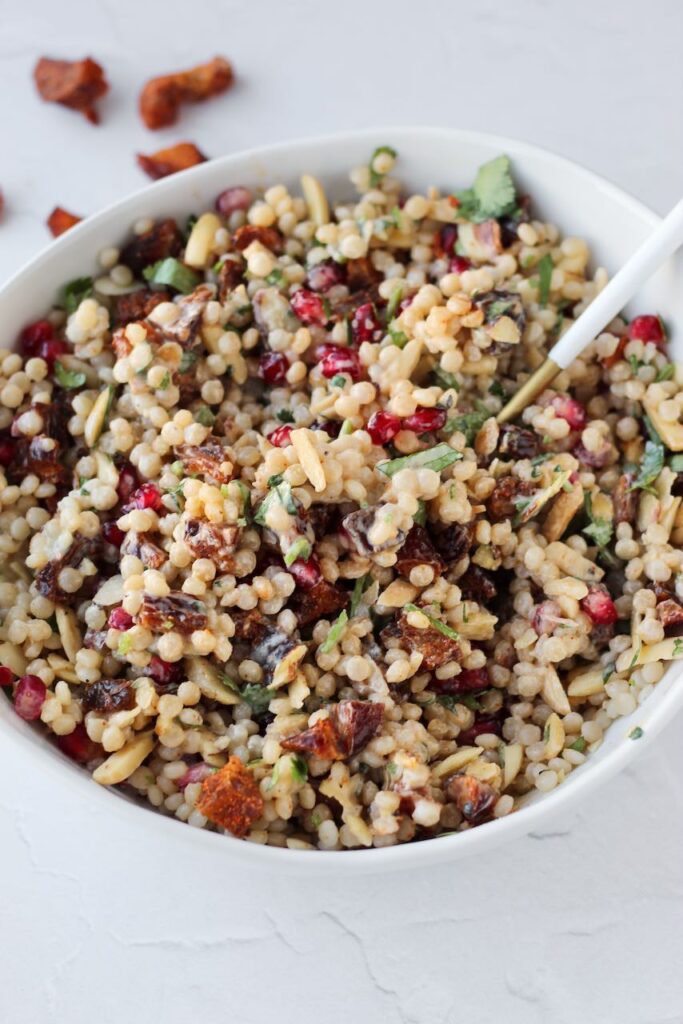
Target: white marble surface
582	921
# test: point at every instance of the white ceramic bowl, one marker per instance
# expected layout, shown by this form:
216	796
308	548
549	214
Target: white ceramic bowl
577	200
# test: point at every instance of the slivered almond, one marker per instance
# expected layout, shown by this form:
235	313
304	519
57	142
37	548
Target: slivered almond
561	512
316	200
512	756
287	670
111	592
120	766
94	424
201	242
309	458
588	684
553	692
554	735
397	594
12	657
69	632
454	762
202	673
485	771
572	563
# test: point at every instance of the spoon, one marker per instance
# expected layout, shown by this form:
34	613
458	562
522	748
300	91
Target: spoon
661	244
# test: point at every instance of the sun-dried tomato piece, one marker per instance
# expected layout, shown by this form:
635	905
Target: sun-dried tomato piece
625	499
136	305
506	492
171	160
230	275
517	442
324	518
109	695
47	579
176	611
149	553
208	540
162	240
231	798
478	585
268	644
669	613
361	274
455	541
75	84
321	740
185	328
205	460
474	799
418	550
435	648
271	238
60	220
356	722
40	455
320	602
161	97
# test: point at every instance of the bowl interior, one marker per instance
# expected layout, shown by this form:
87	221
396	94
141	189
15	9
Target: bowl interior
579	202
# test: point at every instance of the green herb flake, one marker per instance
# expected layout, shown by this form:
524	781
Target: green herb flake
436	458
498	390
357	595
165	382
284	416
375	176
578	744
636	655
275	277
172	273
205	416
301	548
394	301
469	423
187	360
338	381
636	734
677	647
68	379
651	466
74	292
445	379
279	494
124	645
299	768
391	769
600	529
398	338
335	632
493	192
420	516
608	672
665	373
437	624
545	273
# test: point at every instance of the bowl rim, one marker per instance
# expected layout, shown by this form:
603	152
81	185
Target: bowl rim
440	849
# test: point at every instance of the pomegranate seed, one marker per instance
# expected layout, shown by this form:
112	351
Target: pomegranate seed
6	676
382	427
78	745
309	307
365	325
128	482
6	451
424	421
34	335
331	427
325	275
570	410
306	573
448	236
29	697
52	349
469	681
598	460
272	367
458	265
340	360
546	617
195	773
119	619
599	606
146	496
233	199
280	436
468	736
164	673
647	328
112	534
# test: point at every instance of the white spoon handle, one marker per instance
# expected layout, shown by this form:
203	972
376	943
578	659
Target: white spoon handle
663	241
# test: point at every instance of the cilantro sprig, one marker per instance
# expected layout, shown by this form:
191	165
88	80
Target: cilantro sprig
492	194
599	530
651	466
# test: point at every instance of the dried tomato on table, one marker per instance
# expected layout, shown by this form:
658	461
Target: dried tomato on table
74	84
170	160
161	97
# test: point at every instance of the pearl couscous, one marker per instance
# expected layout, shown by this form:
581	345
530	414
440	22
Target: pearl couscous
270	564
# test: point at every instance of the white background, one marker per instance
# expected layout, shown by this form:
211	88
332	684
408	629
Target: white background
100	922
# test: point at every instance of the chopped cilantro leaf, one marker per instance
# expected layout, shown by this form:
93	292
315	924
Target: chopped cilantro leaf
299	768
437	624
172	273
469	423
651	466
285	416
205	416
335	632
445	379
187	360
635	734
493	192
578	744
394	301
666	373
68	379
436	458
74	292
357	594
545	273
398	338
375	176
338	381
600	529
301	548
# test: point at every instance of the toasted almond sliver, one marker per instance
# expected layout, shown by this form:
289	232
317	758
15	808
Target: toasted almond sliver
455	761
316	200
202	673
513	754
69	632
572	563
111	592
670	649
121	765
309	458
485	771
94	425
12	657
201	242
287	670
553	692
588	684
397	594
554	733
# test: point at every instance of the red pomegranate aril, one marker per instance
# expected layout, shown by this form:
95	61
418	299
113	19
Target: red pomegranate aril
570	410
195	773
280	436
52	349
469	736
340	360
448	236
78	745
119	619
383	427
165	673
458	265
29	697
470	680
647	328
6	451
128	482
325	275
6	676
306	572
365	325
272	367
147	496
33	336
309	307
113	534
425	421
599	607
233	199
